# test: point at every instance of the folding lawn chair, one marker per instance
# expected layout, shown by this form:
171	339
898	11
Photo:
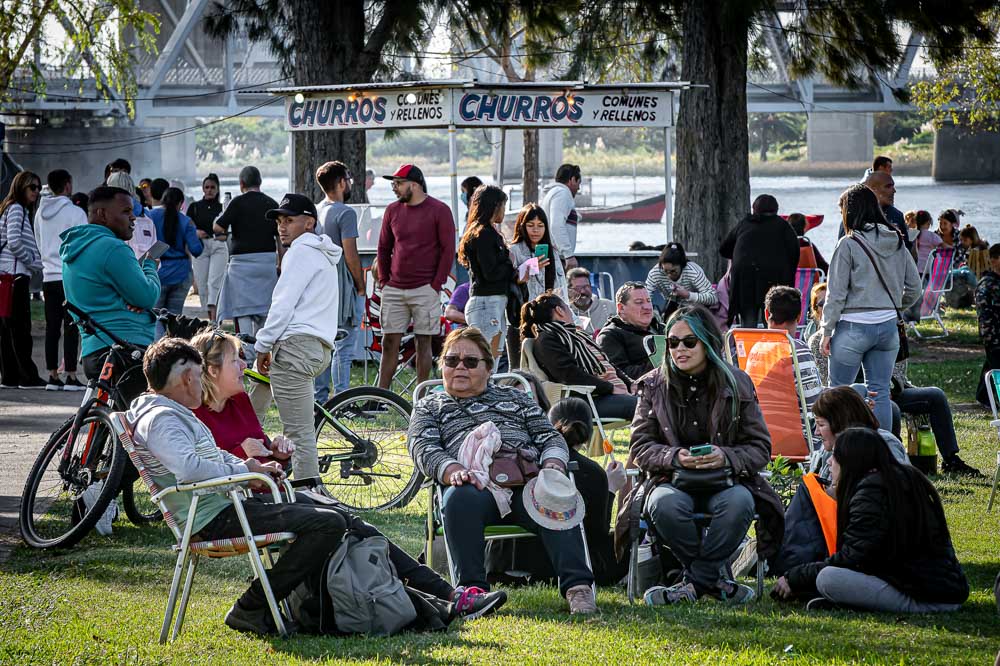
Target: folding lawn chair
188	551
555	392
603	284
640	531
656	348
937	280
993	391
805	280
435	519
768	356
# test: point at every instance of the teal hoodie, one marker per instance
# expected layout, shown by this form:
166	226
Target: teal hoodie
101	276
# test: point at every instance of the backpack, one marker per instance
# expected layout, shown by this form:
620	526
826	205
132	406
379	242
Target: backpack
357	593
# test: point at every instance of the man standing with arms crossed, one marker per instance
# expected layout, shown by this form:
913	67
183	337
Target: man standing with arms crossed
561	212
416	251
295	342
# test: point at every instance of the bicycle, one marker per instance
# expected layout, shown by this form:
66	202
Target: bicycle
82	453
361	444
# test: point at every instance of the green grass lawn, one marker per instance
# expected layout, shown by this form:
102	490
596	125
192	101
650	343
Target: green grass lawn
102	602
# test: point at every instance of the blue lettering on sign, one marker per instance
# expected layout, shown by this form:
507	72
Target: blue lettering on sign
309	117
520	108
379	115
351	115
337	117
295	114
323	114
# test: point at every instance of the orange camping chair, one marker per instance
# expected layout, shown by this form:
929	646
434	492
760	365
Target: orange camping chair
768	356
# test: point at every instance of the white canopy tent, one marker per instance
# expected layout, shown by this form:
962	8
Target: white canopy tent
455	103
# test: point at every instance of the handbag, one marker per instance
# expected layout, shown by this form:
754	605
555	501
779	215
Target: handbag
510	467
904	343
7	279
702	481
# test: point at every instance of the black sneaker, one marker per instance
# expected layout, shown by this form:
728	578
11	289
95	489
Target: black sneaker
820	604
731	592
473	602
956	465
36	383
73	384
257	621
54	384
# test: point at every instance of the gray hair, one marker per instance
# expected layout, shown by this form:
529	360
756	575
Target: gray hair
250	176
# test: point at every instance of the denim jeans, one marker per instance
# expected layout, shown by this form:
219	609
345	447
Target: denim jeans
671	512
172	298
489	315
339	371
467	511
869	346
931	400
846	587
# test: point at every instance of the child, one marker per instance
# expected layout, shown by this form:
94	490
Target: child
926	240
975	250
988	310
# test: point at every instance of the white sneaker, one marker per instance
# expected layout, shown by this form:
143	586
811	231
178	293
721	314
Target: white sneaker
89	497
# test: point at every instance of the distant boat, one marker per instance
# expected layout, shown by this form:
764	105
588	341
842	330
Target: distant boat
643	211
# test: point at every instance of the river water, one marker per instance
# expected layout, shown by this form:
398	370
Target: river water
980	202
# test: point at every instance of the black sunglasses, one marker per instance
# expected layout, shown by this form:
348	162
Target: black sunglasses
689	342
470	362
34	187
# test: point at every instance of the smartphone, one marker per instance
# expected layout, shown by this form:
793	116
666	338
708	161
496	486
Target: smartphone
156	250
542	250
701	450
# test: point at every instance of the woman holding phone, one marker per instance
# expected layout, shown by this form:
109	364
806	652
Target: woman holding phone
532	239
700	438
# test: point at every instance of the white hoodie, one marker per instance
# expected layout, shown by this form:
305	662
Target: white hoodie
305	301
55	215
561	212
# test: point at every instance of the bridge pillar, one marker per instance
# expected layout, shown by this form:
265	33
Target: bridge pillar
840	137
83	151
178	153
549	154
963	155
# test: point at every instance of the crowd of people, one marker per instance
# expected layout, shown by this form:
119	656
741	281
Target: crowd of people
866	530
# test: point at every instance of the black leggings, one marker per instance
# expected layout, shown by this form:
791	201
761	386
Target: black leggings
58	321
16	366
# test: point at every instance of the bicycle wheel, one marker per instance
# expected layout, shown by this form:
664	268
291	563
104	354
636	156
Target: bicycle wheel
136	500
361	442
53	511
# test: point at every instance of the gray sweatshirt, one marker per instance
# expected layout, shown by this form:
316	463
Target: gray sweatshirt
175	447
854	286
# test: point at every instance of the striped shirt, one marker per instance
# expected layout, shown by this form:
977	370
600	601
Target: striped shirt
20	253
692	278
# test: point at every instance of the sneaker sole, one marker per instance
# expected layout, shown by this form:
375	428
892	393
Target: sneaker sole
33	388
497	603
74	388
53	387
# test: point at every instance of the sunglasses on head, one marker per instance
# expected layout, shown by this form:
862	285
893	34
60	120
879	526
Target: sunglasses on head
470	362
689	342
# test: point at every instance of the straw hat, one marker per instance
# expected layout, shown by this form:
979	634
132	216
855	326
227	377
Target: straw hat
552	500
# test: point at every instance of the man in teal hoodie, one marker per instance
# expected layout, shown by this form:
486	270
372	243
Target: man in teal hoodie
102	277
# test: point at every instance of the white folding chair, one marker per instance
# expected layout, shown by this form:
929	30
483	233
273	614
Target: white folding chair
993	391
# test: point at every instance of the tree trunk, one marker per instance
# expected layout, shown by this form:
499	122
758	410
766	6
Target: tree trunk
713	169
529	173
322	60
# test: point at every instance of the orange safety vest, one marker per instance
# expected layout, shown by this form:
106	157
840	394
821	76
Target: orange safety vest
826	510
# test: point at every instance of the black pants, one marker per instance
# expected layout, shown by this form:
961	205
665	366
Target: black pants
620	406
16	366
58	321
127	375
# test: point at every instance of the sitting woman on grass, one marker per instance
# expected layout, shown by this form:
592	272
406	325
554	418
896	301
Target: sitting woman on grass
894	552
228	414
454	432
569	356
700	437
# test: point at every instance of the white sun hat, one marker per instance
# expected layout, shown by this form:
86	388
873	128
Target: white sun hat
552	500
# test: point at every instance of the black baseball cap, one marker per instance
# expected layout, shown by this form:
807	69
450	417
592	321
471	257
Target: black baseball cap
292	205
409	172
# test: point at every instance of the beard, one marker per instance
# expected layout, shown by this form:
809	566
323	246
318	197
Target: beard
347	195
405	197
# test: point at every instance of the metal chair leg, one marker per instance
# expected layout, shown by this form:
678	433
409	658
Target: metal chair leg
996	478
632	580
452	574
268	559
760	578
175	584
185	596
258	565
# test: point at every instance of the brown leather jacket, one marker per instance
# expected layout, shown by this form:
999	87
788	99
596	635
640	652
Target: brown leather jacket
746	443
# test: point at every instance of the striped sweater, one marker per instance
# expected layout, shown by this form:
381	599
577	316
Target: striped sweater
440	424
692	278
20	253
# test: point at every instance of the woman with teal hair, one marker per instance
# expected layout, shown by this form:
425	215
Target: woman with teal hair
700	438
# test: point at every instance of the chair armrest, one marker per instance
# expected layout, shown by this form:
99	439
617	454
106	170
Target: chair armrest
233	479
579	388
633	471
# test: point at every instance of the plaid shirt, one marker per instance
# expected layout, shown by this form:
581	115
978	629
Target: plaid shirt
988	308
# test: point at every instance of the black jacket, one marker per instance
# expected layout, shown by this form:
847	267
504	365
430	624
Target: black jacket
929	572
622	344
560	366
490	270
765	253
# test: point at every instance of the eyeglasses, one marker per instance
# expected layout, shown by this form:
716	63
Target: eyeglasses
34	187
821	304
689	342
470	362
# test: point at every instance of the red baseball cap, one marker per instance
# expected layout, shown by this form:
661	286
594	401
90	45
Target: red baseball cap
409	172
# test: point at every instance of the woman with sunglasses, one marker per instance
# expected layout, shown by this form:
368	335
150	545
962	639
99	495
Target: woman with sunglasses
229	416
20	258
700	438
441	424
812	335
680	281
569	356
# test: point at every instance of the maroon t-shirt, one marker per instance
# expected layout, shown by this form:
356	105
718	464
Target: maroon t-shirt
416	246
235	423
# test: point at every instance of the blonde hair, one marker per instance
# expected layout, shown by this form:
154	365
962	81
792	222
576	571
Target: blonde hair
473	335
213	346
814	299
